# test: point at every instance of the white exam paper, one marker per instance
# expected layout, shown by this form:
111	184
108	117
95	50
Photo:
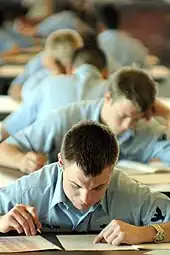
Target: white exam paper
157	252
13	244
85	242
153	246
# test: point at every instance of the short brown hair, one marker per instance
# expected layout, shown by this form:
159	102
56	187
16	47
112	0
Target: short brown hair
92	146
135	85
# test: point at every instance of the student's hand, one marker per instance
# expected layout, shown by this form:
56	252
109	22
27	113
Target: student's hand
118	232
21	218
159	109
32	161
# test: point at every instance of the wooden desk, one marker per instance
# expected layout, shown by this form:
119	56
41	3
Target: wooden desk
157	182
37	49
11	71
159	73
8	176
8	105
152	179
18	59
82	253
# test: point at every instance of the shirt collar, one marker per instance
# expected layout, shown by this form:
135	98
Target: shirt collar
106	33
87	71
126	136
59	195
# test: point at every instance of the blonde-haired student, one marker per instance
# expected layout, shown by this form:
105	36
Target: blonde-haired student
58	48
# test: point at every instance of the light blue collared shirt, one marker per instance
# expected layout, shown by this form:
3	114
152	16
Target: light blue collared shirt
56	92
33	84
122	48
64	19
33	66
124	199
46	135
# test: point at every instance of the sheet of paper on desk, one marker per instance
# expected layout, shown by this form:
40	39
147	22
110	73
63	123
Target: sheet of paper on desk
7	104
157	252
138	168
13	244
85	242
154	246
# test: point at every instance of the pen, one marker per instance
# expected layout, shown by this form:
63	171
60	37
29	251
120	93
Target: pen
37	229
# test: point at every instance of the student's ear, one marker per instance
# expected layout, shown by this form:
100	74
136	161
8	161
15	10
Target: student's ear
68	68
72	70
105	73
60	161
108	97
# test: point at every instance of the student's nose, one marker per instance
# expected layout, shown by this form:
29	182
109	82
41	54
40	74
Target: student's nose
85	197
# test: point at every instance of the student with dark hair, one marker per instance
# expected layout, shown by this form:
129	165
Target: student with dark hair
82	192
71	15
124	106
116	44
85	82
91	56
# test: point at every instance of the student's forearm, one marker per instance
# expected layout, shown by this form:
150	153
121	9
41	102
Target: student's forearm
15	92
162	109
1	223
10	156
4	133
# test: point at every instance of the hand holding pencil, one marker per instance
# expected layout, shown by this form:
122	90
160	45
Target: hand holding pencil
23	219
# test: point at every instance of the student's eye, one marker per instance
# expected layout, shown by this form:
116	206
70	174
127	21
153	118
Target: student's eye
121	117
99	188
75	186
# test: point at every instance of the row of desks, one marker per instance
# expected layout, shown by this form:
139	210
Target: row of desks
15	66
156	182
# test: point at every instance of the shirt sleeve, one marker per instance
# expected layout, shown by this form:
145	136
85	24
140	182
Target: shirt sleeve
33	84
34	65
32	189
161	150
135	203
147	136
55	22
156	209
39	137
9	197
24	116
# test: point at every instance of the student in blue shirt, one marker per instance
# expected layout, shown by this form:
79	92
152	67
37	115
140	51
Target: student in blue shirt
10	40
116	44
89	68
47	60
125	104
82	192
71	15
